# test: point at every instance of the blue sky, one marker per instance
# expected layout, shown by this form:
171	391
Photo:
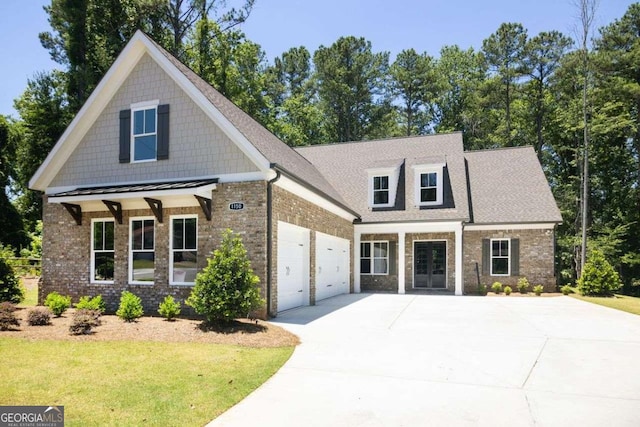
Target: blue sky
277	25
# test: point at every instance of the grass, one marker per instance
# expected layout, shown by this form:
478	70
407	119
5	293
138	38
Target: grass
133	383
30	298
619	302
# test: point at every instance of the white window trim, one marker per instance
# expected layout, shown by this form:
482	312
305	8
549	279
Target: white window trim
140	218
92	264
171	218
438	169
372	258
144	105
392	173
508	257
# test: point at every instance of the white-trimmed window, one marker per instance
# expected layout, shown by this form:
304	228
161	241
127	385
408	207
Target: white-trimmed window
183	263
383	185
374	258
429	184
102	250
142	251
144	128
500	257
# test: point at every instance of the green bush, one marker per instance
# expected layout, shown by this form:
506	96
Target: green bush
523	285
88	303
130	307
496	287
507	290
482	290
538	289
226	288
566	290
83	321
7	317
10	288
169	308
57	303
39	316
598	278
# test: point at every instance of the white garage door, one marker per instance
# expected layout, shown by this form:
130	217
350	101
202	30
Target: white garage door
332	266
293	266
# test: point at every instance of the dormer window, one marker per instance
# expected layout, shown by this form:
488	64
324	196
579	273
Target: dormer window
429	184
383	185
380	190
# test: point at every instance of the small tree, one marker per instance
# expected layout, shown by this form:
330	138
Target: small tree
226	288
598	276
130	307
10	288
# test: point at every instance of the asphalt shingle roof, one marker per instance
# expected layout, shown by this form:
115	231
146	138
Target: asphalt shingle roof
345	166
271	147
509	186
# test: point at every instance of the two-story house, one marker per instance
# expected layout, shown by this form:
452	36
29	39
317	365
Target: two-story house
157	164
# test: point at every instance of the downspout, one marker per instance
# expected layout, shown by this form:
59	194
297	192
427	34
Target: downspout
270	237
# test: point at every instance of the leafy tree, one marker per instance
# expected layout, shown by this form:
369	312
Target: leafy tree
598	277
504	52
350	81
460	73
543	54
10	288
45	114
11	226
413	81
226	288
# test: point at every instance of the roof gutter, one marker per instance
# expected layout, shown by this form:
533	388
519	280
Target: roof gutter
311	188
270	238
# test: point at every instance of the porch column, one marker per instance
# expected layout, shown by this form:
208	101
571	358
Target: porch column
356	262
458	272
401	262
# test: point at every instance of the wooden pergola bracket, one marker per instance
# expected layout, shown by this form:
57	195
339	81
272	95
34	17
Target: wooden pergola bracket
156	207
205	204
75	211
115	208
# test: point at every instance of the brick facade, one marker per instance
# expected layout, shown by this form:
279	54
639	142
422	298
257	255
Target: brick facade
536	258
293	209
67	251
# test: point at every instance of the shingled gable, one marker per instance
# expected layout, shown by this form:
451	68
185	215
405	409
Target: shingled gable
260	145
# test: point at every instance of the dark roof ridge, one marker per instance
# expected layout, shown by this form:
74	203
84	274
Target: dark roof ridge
391	138
487	150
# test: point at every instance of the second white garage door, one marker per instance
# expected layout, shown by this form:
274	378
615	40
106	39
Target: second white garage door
332	266
293	266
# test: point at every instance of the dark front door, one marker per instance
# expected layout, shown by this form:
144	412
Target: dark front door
430	264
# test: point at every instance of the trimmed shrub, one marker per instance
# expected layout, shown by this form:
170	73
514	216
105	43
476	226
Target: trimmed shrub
39	316
566	290
7	317
10	288
538	289
169	308
507	290
496	287
482	290
57	303
130	307
226	288
88	303
598	277
523	285
83	321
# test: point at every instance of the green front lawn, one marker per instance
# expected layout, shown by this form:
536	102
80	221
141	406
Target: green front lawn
133	383
619	302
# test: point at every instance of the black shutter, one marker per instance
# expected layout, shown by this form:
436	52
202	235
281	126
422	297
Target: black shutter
163	132
515	257
486	256
125	136
392	258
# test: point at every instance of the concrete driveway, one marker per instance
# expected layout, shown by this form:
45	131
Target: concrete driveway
421	360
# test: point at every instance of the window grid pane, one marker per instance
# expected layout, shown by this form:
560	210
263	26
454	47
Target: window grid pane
178	234
374	258
102	251
500	257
